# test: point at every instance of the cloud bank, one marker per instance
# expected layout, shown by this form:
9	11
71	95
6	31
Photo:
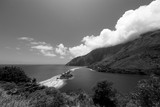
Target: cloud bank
128	27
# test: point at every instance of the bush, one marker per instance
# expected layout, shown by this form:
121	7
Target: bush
78	98
104	94
147	93
48	97
8	86
12	101
13	74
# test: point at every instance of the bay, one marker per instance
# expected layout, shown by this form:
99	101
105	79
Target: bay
84	78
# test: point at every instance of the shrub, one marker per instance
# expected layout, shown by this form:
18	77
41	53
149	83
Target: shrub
13	74
78	98
12	101
147	93
8	86
48	97
104	95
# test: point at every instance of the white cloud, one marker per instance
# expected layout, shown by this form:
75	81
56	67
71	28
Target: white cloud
61	50
42	47
79	50
128	27
47	53
26	38
38	43
32	41
46	50
17	48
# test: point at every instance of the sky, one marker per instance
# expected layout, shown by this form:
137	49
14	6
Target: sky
55	31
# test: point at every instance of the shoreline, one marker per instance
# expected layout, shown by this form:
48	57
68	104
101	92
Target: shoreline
55	81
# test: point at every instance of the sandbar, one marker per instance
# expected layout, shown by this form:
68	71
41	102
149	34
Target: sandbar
56	81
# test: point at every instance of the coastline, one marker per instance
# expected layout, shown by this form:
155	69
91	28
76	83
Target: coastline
55	81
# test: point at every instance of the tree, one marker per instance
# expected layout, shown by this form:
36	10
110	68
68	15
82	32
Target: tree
147	93
13	74
104	95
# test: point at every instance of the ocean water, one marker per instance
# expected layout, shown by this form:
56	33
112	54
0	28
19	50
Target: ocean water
44	72
84	78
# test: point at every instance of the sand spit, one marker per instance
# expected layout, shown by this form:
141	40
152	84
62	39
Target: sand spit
55	81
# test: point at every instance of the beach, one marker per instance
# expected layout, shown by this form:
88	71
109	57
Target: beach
53	82
56	81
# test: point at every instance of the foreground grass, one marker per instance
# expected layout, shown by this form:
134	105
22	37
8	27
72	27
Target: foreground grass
12	101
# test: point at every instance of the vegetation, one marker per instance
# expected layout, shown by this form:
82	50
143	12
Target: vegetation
140	56
48	97
13	74
22	91
66	75
147	93
102	68
104	95
18	90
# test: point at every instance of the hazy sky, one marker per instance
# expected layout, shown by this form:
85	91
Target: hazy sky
41	31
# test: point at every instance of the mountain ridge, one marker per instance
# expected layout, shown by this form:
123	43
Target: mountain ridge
141	54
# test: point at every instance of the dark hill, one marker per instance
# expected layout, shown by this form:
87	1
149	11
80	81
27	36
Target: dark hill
141	54
94	56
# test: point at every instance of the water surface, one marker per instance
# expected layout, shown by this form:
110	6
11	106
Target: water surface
86	79
83	78
44	72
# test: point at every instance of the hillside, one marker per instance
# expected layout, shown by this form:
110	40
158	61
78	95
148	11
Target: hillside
138	55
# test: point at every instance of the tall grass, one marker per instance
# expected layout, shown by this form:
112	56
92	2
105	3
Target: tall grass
12	101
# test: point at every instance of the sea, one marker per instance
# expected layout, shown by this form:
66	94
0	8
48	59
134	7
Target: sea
84	78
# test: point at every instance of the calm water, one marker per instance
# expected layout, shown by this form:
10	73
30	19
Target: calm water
83	78
44	72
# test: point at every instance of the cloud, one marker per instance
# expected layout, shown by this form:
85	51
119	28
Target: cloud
45	50
26	38
79	50
43	47
61	50
32	41
128	27
38	43
47	53
17	48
